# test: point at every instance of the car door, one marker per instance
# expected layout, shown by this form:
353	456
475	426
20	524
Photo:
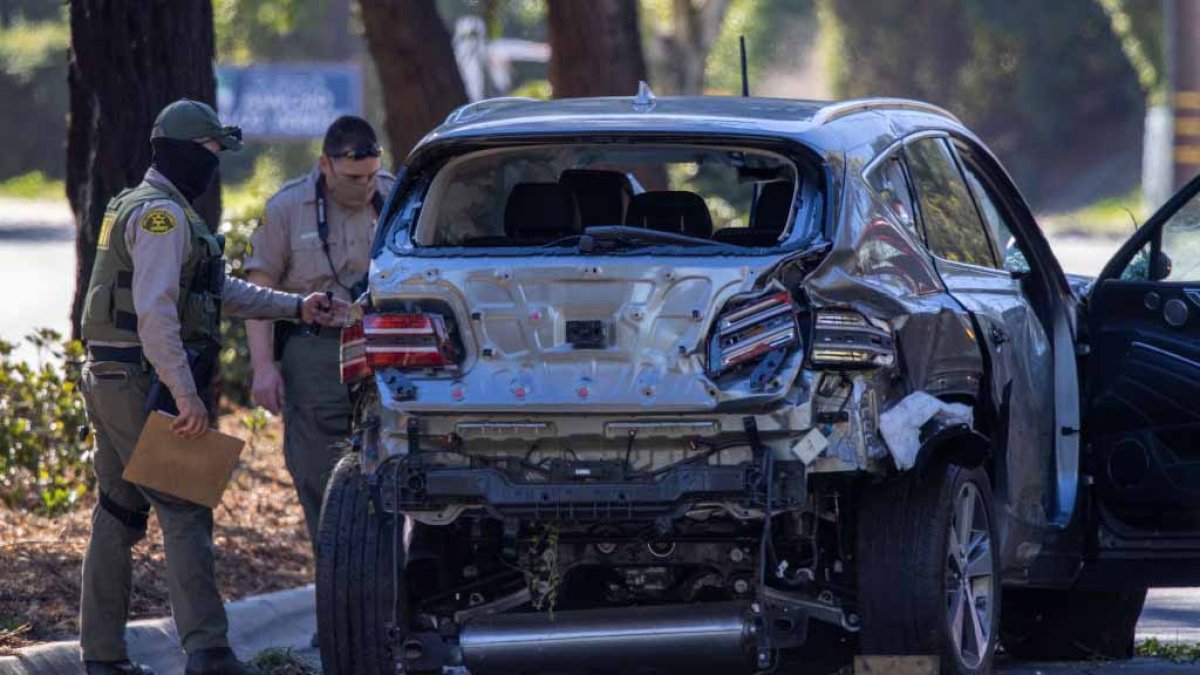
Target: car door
1020	365
1142	387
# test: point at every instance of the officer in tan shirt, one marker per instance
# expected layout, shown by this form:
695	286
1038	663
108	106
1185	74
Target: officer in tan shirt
316	237
151	323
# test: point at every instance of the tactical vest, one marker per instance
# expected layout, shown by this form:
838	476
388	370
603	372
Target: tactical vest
108	312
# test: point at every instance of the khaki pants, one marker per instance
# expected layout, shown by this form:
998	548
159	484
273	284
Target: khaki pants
115	394
316	415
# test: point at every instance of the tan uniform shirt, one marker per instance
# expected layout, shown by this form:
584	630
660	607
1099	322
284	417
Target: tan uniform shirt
287	248
157	260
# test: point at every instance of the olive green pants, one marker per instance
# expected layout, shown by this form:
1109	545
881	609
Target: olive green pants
316	415
115	395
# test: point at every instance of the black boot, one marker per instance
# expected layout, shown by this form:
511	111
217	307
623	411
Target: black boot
123	667
217	661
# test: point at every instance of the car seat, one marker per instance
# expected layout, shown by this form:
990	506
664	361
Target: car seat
539	213
670	211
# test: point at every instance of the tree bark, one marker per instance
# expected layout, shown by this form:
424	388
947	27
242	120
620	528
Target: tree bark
595	48
678	58
129	59
417	71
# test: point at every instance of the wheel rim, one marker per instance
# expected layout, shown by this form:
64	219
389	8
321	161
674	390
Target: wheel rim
969	587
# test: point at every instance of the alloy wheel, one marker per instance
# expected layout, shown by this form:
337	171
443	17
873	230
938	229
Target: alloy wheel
969	577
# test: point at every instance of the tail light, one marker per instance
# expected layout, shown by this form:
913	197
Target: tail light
751	330
849	339
403	341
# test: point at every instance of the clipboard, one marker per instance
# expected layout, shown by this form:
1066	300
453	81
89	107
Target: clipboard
195	469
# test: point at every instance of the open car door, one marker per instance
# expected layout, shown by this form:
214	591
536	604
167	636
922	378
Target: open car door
1142	392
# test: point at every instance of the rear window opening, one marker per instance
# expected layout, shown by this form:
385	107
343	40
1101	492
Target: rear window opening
548	196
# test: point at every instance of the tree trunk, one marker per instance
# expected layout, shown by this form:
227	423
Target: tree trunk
595	48
129	59
418	73
678	58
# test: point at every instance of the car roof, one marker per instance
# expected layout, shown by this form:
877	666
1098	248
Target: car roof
701	115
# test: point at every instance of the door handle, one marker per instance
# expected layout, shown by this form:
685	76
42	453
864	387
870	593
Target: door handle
998	336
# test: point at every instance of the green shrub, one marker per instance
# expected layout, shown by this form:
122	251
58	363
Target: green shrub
45	460
236	373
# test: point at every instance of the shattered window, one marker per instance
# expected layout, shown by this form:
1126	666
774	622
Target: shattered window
1012	258
547	196
889	181
952	226
1179	250
1181	243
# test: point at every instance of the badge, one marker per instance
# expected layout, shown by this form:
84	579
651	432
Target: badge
158	221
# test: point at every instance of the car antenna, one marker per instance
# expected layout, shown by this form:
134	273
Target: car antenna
745	76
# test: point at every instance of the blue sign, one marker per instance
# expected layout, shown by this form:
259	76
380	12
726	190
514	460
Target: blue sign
288	101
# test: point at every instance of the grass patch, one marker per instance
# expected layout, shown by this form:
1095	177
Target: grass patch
281	662
33	185
1115	217
1178	652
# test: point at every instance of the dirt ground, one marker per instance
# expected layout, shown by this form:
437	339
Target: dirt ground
260	539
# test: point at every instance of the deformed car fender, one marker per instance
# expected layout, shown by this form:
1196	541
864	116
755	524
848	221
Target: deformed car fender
952	442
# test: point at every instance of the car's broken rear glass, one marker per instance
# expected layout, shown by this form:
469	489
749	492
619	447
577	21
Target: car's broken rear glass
550	196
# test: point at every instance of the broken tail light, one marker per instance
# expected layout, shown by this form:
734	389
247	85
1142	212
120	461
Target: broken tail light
850	340
751	330
403	341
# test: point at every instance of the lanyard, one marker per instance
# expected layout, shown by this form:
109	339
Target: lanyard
323	227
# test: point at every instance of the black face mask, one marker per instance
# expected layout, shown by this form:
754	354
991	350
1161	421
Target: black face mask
188	165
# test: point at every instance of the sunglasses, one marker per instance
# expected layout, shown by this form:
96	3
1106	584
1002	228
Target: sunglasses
235	132
359	153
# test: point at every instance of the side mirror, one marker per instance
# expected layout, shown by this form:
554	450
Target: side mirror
1161	268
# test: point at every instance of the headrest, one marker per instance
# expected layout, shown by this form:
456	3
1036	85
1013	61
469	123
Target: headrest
600	194
540	210
773	207
670	211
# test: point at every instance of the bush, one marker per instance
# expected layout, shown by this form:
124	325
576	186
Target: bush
236	373
45	459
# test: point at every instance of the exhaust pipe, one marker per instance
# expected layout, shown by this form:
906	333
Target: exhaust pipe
624	639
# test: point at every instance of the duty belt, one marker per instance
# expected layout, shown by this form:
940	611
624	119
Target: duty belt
306	330
119	354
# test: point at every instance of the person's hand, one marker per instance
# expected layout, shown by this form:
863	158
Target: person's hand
267	389
339	314
317	308
192	421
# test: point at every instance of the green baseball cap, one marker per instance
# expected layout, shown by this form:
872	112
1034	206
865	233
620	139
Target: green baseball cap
189	120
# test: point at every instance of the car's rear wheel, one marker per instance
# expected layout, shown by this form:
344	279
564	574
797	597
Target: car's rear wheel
356	548
1070	625
928	569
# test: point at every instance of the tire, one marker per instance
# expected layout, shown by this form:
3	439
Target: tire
1070	625
355	573
910	574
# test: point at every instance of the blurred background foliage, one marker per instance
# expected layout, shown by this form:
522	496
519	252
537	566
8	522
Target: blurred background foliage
1023	73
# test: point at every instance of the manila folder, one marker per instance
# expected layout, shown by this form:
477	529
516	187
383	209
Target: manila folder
195	469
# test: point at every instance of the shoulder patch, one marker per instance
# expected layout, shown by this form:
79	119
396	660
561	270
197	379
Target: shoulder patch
158	221
106	226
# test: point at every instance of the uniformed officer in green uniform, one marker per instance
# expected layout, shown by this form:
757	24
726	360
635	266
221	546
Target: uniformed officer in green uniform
316	237
150	323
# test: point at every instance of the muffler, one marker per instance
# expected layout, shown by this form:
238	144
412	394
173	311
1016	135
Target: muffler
624	639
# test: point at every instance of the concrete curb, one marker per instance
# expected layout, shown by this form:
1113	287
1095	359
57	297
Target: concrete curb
281	620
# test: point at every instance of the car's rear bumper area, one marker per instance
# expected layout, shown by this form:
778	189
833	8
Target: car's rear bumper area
705	635
408	487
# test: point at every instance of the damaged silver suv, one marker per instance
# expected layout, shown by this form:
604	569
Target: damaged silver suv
666	384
